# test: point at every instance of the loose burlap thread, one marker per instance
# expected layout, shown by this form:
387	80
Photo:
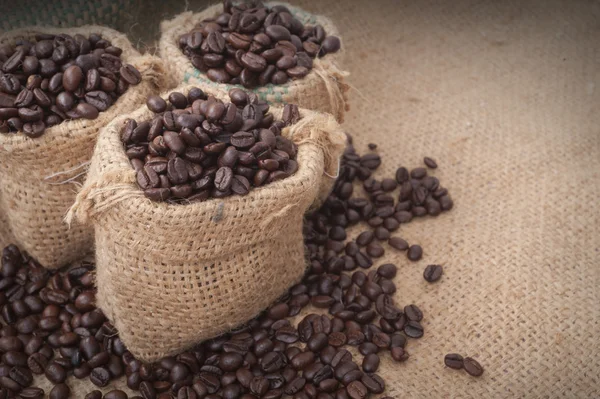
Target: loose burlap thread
323	89
172	275
40	177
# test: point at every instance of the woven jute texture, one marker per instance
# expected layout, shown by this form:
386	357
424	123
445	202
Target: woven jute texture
504	95
323	89
172	275
39	177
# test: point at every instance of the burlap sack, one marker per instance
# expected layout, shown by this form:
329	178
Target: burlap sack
323	89
39	177
169	275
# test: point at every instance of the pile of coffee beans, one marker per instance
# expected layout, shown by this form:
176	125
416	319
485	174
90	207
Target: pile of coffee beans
58	77
252	44
198	147
52	327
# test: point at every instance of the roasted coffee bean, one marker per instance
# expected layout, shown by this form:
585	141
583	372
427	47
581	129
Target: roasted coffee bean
454	361
370	363
60	391
373	383
432	273
430	163
415	252
357	390
100	377
31	393
115	394
399	354
472	367
413	329
55	373
37	363
398	243
412	312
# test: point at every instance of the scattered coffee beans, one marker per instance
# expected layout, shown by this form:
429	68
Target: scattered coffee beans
198	147
255	45
52	327
59	77
433	273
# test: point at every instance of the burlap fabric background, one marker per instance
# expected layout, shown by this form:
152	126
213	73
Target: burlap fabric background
39	177
323	89
505	96
170	276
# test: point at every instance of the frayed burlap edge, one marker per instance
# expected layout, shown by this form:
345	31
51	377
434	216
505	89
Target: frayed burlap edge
39	177
323	89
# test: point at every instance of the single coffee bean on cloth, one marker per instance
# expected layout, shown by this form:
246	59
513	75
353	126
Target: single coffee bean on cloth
322	89
68	13
39	176
218	262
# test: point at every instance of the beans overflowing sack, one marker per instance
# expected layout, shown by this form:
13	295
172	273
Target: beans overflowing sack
171	275
39	177
323	89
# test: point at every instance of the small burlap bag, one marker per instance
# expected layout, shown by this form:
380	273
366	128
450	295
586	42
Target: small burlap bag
323	89
171	275
39	177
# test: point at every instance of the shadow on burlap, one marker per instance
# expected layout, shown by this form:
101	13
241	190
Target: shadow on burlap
505	97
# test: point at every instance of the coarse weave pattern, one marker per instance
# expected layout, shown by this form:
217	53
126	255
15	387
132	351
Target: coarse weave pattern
504	95
217	262
39	177
323	89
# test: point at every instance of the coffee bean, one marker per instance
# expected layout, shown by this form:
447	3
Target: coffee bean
337	339
432	273
472	367
115	394
357	390
373	383
399	354
370	363
454	361
412	312
55	373
130	74
398	243
37	363
331	44
367	348
430	163
72	77
100	377
415	252
60	391
32	393
413	329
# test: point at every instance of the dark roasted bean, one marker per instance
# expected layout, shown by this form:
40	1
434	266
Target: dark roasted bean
472	367
454	361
